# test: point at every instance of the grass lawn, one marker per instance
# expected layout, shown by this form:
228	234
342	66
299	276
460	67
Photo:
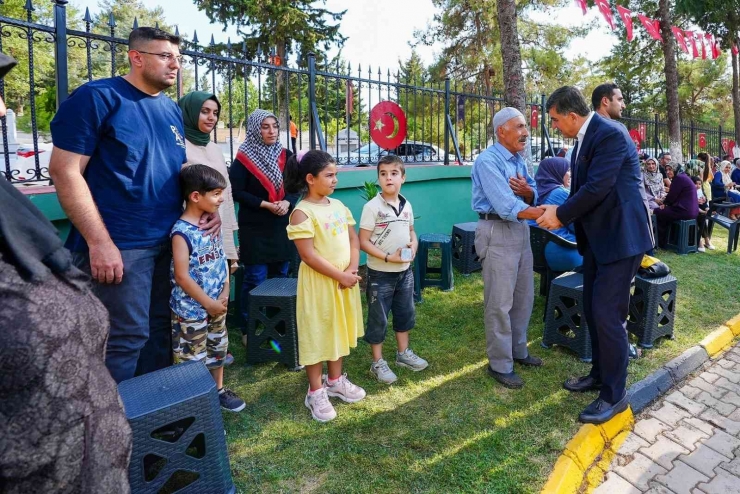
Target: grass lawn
449	428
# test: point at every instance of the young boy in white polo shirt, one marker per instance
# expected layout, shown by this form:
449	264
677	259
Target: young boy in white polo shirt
387	237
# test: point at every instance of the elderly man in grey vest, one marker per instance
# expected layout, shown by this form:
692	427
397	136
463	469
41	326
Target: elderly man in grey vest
504	197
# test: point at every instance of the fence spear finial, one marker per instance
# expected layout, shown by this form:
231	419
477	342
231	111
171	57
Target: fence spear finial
213	42
87	17
111	20
29	6
195	37
136	23
156	25
177	30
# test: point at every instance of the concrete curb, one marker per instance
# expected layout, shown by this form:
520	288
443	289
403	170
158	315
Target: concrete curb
586	458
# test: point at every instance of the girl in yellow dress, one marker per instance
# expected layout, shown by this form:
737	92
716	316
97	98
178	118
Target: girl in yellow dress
329	312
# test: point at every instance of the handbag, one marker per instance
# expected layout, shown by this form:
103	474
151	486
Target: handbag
6	64
652	267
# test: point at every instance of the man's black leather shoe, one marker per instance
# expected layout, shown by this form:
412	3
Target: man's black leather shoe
529	361
581	384
600	411
510	380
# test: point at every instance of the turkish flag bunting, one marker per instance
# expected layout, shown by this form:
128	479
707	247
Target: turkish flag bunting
652	27
714	48
626	16
692	39
703	47
680	39
583	5
734	49
606	11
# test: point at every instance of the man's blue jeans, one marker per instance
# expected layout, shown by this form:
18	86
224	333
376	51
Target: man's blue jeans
140	338
255	275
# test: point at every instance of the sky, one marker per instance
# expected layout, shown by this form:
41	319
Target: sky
379	31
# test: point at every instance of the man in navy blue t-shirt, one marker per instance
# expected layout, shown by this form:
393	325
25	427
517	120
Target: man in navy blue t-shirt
118	151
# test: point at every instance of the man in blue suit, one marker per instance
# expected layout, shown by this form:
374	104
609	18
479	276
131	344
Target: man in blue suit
612	232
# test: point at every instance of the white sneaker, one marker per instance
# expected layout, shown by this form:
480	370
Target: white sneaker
711	247
382	372
701	249
411	360
345	390
320	406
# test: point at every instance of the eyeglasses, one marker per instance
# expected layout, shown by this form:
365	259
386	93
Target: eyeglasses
166	57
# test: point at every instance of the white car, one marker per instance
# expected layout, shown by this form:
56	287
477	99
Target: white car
23	162
412	152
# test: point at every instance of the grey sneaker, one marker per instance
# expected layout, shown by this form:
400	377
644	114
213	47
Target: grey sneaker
320	406
411	360
229	401
382	372
345	390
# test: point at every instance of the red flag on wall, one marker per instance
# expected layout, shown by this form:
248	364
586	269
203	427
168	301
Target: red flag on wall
606	11
626	16
680	39
692	39
652	27
583	5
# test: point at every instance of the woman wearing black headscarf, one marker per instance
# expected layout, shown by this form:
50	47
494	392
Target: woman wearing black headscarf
257	184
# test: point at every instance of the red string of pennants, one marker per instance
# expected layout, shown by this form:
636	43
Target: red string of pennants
698	45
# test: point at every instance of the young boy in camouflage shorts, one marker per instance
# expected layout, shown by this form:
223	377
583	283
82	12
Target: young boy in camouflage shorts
200	281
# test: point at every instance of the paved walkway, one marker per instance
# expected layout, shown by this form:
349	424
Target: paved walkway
689	441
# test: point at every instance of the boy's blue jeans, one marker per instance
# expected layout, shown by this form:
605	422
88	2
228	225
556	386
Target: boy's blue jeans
389	292
254	276
140	338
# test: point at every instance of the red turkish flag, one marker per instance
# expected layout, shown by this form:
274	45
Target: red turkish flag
713	48
680	39
702	141
734	49
349	99
692	39
703	47
626	16
606	11
583	5
652	27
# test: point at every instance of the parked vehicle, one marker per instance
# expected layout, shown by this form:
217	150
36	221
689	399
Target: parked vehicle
23	161
412	152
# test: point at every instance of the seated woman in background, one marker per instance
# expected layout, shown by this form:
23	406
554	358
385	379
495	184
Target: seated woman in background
681	203
553	181
653	181
670	173
724	188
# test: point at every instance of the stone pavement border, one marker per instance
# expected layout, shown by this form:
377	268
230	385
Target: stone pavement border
586	458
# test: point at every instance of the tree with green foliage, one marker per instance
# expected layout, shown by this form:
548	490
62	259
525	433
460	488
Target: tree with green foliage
287	26
721	18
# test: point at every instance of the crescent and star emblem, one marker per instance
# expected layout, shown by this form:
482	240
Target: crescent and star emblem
387	125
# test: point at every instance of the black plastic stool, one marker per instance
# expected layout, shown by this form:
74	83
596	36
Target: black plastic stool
271	329
652	309
565	321
682	237
464	257
178	432
440	242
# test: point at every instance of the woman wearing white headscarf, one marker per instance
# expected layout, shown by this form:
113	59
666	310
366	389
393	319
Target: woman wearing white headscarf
257	184
653	180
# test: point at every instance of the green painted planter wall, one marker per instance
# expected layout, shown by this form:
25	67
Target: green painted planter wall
440	196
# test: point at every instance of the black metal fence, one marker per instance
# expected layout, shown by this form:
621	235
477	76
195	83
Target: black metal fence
448	121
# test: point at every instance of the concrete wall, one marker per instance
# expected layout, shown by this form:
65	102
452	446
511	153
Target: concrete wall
439	194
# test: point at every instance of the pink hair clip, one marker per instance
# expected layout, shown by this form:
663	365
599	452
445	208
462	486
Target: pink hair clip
301	154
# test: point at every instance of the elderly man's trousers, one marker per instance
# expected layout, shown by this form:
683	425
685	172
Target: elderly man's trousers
506	258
